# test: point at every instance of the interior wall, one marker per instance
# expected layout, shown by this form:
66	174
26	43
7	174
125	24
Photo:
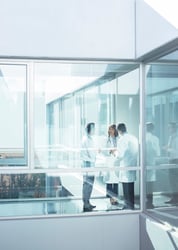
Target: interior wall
68	29
152	30
81	233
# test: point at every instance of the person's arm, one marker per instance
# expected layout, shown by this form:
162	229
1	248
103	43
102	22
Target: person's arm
121	148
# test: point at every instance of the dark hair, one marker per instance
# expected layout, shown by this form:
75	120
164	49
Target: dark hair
149	126
89	127
122	127
113	126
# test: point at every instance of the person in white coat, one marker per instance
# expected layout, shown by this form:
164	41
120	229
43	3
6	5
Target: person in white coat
172	152
88	157
127	152
110	178
152	153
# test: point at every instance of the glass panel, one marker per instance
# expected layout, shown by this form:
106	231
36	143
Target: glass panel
69	96
13	134
173	57
162	137
56	193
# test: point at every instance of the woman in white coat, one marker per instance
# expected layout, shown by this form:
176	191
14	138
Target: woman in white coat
110	177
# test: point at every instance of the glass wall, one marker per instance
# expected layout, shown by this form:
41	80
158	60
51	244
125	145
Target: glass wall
68	96
13	125
65	97
44	127
161	133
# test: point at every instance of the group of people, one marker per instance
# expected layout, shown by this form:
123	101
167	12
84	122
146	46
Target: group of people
153	151
121	150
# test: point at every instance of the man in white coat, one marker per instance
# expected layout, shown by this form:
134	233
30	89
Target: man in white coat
152	153
88	157
127	152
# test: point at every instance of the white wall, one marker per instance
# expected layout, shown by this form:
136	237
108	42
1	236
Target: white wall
81	233
67	29
81	29
152	30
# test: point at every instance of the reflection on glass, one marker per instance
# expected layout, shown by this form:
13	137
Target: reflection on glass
13	141
162	111
56	193
17	186
152	154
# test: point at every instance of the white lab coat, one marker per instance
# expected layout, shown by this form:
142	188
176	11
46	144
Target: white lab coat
88	152
88	149
152	152
127	152
110	161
